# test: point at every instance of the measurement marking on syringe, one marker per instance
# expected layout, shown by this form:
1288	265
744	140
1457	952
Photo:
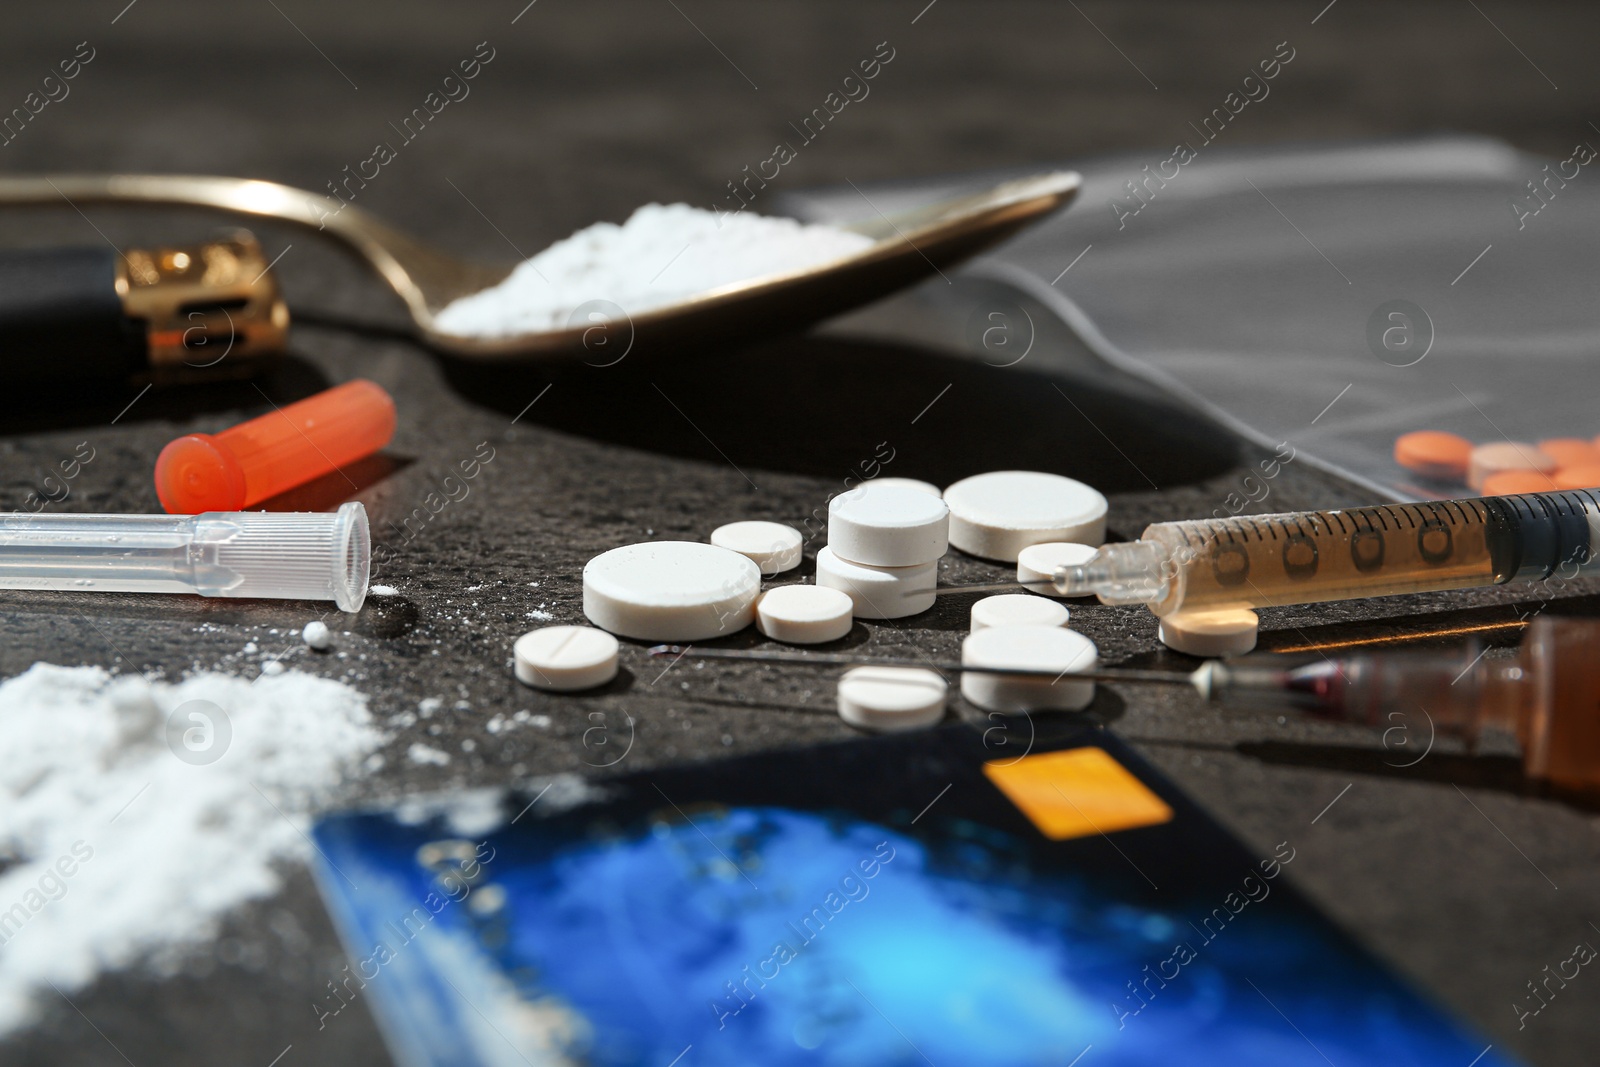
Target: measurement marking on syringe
1383	549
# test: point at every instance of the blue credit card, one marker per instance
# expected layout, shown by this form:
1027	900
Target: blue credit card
901	900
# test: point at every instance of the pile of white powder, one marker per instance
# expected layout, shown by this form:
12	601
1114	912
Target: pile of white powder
661	255
116	849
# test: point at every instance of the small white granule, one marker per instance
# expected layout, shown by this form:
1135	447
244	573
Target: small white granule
383	590
141	813
421	753
317	635
661	255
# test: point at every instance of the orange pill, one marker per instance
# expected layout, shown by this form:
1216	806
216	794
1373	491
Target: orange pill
284	448
1571	452
1510	483
1433	454
1585	477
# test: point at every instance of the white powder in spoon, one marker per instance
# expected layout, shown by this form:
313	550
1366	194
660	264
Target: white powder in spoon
133	816
661	255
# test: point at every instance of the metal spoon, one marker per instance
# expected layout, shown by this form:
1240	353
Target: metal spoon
911	245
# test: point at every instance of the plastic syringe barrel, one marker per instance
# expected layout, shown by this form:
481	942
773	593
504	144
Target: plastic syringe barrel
279	555
1316	556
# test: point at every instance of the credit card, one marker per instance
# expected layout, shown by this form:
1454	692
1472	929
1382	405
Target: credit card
936	898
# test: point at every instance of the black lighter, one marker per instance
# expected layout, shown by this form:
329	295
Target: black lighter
96	317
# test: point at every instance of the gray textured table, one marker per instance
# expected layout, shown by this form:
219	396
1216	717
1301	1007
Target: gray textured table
1444	868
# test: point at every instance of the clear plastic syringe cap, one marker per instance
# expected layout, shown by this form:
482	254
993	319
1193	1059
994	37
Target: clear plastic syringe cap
285	555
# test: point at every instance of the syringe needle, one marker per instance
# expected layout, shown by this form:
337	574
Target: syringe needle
832	660
988	587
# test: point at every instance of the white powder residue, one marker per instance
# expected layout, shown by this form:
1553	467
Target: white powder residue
136	815
563	792
426	754
317	635
661	255
470	812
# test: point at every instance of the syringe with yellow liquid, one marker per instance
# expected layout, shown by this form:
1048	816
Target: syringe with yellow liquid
1314	556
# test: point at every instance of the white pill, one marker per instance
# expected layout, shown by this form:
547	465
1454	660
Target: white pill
1053	651
565	658
316	635
671	591
1038	563
773	546
805	614
1017	609
891	698
879	592
1217	632
997	515
1505	456
911	483
888	526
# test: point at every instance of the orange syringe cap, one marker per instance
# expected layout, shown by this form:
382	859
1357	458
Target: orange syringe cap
275	452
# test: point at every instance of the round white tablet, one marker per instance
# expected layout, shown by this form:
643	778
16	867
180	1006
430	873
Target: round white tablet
804	614
997	515
888	526
1218	632
670	591
1038	563
891	698
1054	651
910	483
879	592
565	657
773	546
1498	456
1017	609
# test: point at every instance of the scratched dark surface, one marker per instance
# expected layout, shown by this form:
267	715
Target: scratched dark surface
1447	869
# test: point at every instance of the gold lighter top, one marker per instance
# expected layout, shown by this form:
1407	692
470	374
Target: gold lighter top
210	310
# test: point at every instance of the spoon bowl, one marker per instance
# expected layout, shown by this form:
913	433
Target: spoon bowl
909	247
